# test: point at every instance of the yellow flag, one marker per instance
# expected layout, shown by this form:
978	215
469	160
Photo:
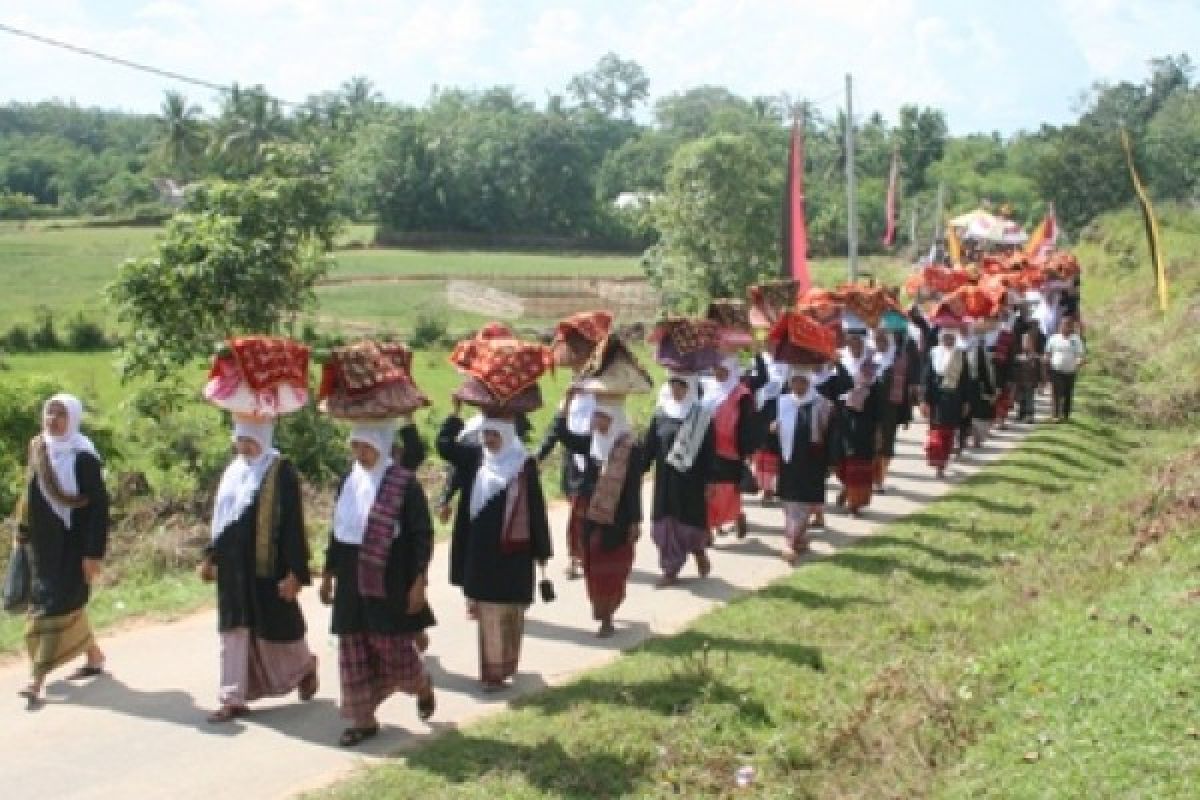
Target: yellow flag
1156	254
953	245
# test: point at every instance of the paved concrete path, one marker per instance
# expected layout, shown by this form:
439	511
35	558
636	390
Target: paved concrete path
141	732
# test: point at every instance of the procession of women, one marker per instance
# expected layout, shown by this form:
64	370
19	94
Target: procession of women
792	397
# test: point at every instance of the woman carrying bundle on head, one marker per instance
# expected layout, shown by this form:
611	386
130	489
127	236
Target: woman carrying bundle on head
62	523
376	574
859	401
899	374
764	462
943	401
259	559
501	535
612	490
679	446
729	399
801	430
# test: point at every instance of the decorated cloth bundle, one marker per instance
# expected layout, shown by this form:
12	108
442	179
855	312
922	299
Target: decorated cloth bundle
686	344
578	335
369	380
935	281
821	304
733	323
799	340
501	374
613	369
768	302
867	303
259	376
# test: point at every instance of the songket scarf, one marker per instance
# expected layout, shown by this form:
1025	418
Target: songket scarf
602	508
689	439
382	529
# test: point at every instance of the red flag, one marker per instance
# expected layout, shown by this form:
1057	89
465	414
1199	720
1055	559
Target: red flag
889	234
795	233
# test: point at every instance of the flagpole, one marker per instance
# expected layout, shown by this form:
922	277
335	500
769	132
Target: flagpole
851	191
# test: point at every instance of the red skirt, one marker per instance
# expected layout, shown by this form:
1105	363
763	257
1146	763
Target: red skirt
579	507
766	469
606	573
856	475
724	502
939	442
1004	403
879	469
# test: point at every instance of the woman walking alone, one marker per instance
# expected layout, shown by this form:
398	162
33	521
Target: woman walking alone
62	521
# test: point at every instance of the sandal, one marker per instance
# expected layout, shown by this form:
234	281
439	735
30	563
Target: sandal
31	693
352	737
309	686
86	671
426	705
227	714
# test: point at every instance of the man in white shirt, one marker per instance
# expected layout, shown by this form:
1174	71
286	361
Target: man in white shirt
1065	355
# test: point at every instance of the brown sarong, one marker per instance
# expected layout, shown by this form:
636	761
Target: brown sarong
501	628
53	641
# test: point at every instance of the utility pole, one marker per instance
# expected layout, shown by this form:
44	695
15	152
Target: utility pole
851	191
937	216
912	230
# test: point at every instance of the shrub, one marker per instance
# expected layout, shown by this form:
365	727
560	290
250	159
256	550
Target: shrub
314	442
45	336
85	336
18	340
430	330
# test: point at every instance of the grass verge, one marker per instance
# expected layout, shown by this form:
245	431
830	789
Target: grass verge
981	647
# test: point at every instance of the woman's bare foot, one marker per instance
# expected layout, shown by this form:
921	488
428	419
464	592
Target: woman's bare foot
32	691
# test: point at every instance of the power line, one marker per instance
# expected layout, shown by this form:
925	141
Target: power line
124	62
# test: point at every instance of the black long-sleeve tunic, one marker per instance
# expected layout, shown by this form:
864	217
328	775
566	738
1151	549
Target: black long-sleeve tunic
56	554
408	560
978	383
246	600
477	564
629	507
802	480
854	432
453	481
945	405
678	495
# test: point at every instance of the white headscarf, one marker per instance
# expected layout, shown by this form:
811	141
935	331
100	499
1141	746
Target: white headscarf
854	365
470	431
358	493
714	391
61	452
579	420
498	469
940	355
786	413
666	399
777	375
242	478
885	358
602	443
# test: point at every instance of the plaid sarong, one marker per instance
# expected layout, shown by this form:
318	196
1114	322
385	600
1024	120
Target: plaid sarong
381	529
373	666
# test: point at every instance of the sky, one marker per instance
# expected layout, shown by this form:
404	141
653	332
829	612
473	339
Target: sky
992	66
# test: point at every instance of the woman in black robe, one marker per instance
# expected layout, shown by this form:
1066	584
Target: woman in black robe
62	522
612	515
679	446
801	431
376	574
501	534
943	399
259	558
899	363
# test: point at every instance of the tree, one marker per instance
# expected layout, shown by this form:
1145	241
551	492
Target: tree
249	119
240	258
703	110
719	221
614	87
1172	147
921	136
181	133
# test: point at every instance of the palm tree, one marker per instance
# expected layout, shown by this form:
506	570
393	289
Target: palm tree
249	119
182	133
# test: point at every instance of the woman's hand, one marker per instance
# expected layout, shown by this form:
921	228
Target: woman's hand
91	570
289	588
416	595
925	410
325	592
206	570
